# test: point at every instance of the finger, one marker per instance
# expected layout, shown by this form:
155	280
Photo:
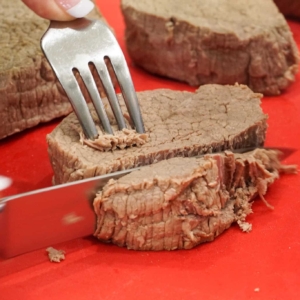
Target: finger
5	182
60	10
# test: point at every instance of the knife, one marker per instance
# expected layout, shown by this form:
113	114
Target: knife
48	216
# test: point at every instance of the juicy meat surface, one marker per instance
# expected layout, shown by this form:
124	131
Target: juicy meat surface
30	92
212	119
213	41
182	202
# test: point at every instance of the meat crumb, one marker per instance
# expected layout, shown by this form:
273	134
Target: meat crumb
55	255
120	139
256	290
245	226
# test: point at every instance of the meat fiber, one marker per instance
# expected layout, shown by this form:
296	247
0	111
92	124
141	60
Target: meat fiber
213	41
30	92
55	255
184	124
182	202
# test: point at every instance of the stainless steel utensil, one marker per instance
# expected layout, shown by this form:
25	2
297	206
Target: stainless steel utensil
48	216
76	44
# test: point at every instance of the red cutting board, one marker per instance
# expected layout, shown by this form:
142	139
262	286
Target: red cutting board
263	264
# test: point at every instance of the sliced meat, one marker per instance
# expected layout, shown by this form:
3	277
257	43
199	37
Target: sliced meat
182	202
214	118
217	41
30	92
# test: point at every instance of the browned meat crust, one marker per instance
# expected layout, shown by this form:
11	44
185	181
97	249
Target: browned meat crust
290	8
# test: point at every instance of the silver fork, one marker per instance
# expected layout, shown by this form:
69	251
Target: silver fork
76	44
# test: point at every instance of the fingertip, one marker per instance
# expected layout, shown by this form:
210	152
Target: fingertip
81	9
60	10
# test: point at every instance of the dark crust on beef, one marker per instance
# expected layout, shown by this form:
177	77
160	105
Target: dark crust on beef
182	202
222	42
212	119
290	8
30	92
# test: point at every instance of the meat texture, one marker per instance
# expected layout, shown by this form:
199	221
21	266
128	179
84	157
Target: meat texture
182	202
213	41
214	118
55	255
290	8
30	92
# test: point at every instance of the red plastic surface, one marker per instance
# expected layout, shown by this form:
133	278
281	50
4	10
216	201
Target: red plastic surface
263	264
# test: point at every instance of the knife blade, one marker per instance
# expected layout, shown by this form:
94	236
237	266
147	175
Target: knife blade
48	216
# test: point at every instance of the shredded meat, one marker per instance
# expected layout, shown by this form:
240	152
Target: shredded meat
182	202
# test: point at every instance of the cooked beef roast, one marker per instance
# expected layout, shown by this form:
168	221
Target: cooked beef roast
290	8
213	41
182	202
30	92
214	118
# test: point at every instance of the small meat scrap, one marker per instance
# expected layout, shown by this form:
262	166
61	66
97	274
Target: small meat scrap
55	255
245	226
181	202
121	139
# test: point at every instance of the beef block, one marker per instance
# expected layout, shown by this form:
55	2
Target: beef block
30	92
218	41
182	202
290	8
214	118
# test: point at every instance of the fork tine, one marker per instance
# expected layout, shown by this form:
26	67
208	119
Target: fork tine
123	75
110	92
90	84
79	105
92	41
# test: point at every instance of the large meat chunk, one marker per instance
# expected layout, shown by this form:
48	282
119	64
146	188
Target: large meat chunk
213	41
30	92
182	202
214	118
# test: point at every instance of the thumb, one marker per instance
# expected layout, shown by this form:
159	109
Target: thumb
60	10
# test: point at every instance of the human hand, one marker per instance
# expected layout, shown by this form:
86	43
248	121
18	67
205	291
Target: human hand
60	10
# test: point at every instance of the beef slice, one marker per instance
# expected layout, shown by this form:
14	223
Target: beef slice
213	41
185	124
182	202
30	92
